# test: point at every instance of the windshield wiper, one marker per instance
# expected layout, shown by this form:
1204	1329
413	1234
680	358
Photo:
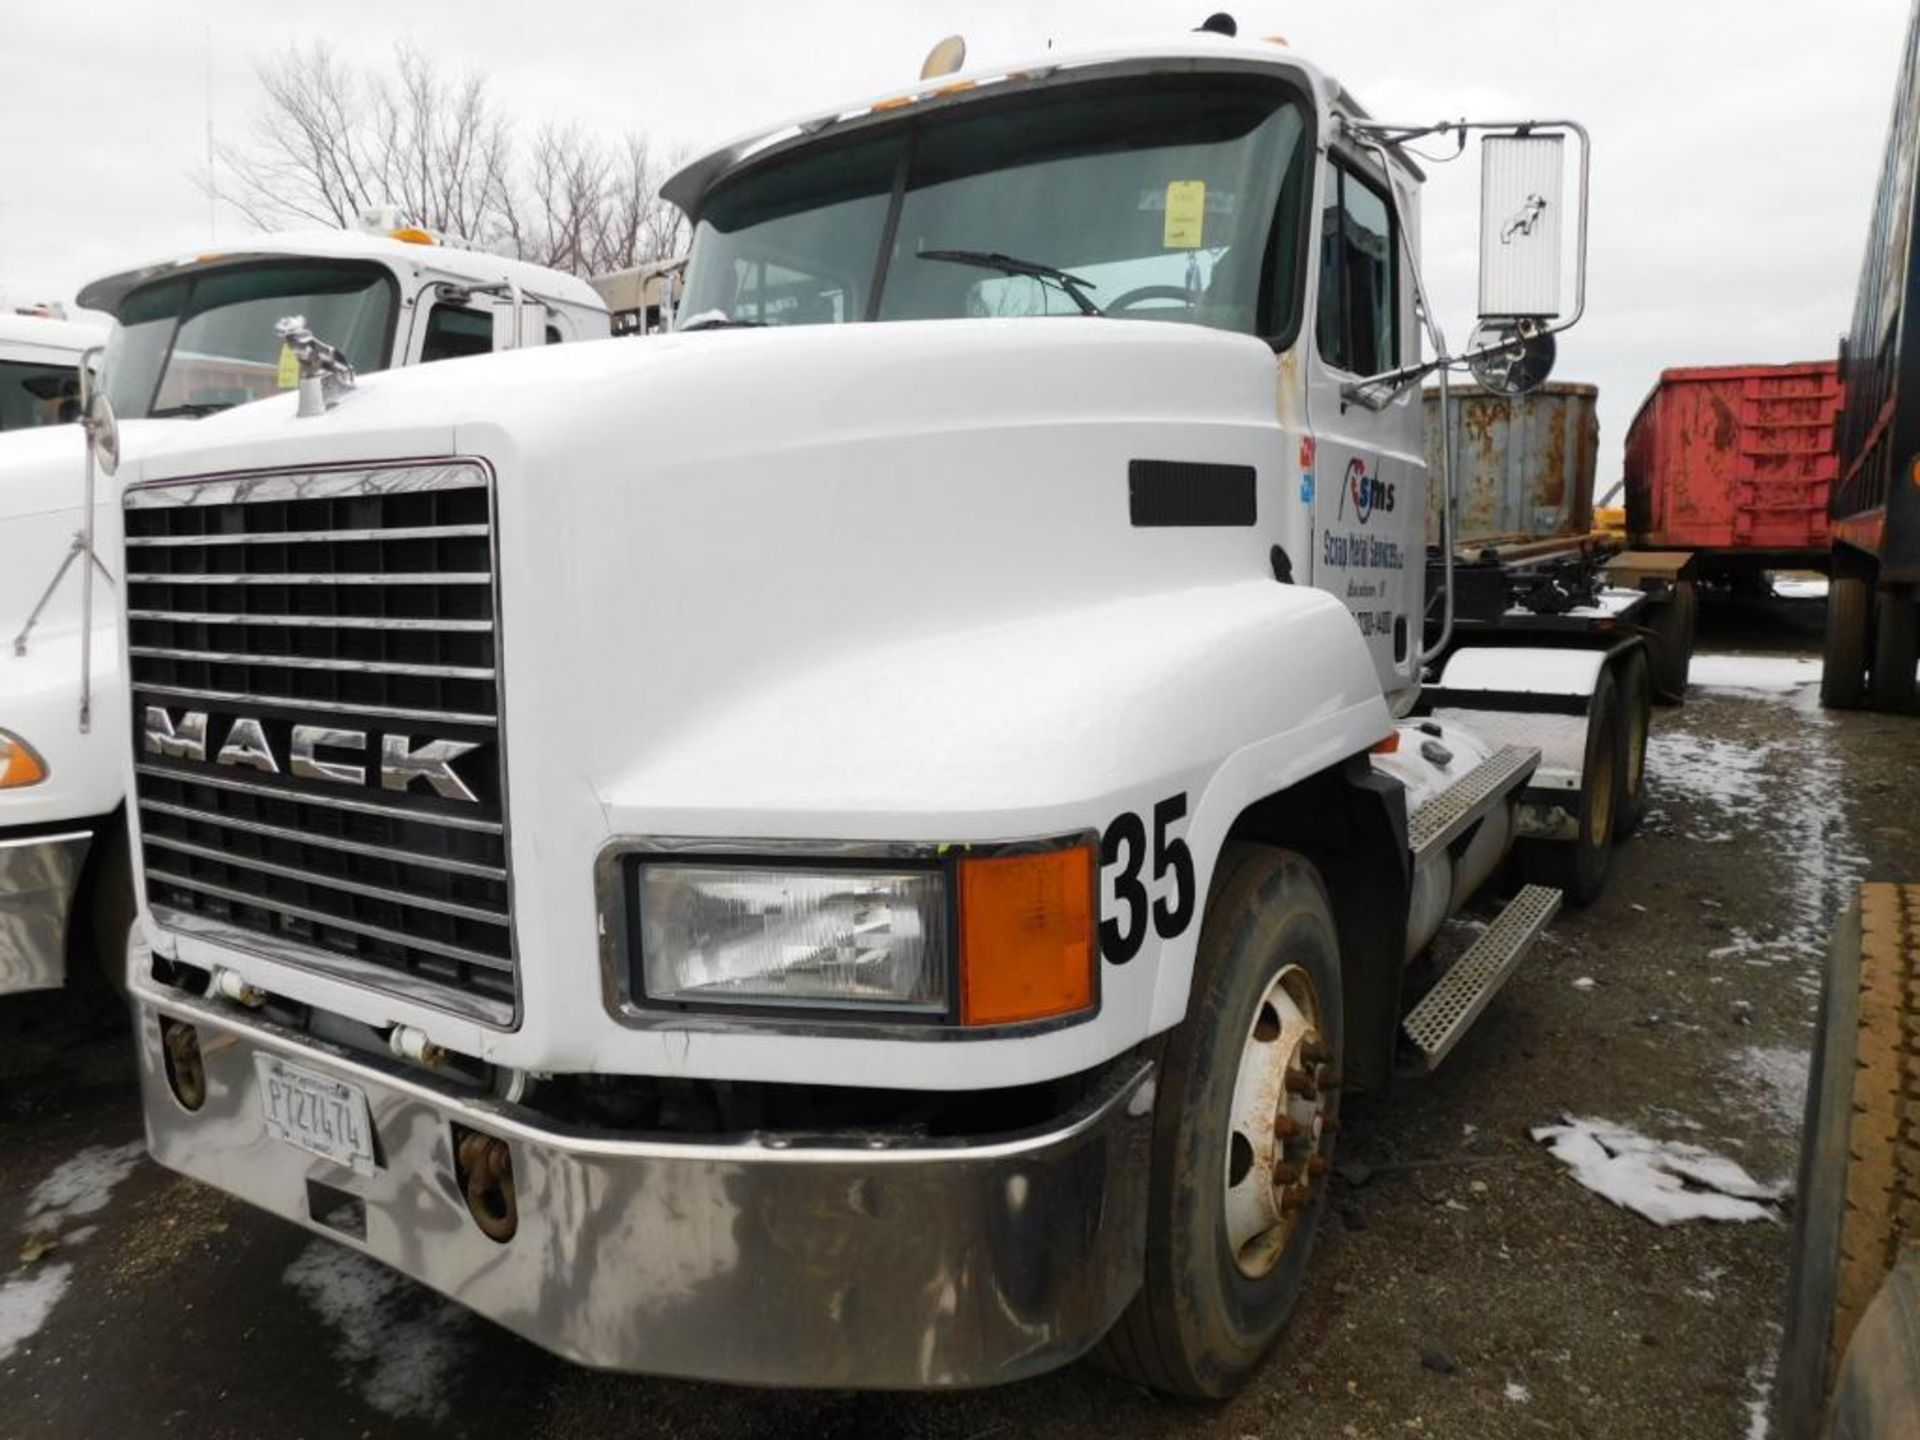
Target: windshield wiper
192	409
720	320
1072	286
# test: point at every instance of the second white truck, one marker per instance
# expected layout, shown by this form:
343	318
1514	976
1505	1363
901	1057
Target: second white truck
861	842
195	336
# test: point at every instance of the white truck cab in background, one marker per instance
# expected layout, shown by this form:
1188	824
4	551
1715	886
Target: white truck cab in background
194	336
40	356
860	841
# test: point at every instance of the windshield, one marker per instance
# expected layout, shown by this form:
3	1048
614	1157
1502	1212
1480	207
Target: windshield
34	393
195	343
1165	200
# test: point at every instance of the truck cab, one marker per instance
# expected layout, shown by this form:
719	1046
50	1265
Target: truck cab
40	356
870	841
193	336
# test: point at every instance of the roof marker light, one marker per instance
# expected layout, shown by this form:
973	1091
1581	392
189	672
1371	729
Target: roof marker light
944	58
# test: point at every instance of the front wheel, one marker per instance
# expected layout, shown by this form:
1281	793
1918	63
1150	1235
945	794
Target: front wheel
1248	1092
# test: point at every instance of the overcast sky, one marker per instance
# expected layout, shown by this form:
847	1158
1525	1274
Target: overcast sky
1735	144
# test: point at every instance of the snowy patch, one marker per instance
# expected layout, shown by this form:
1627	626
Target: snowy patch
1724	774
1585	982
408	1341
1754	674
1667	1181
1775	1078
1518	1393
1760	1386
25	1303
81	1185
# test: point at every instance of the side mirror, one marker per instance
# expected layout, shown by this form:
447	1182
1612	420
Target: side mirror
1525	223
519	320
1522	189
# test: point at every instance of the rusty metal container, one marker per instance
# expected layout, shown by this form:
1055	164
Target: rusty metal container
1735	458
1522	466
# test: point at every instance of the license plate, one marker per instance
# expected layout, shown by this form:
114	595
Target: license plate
321	1115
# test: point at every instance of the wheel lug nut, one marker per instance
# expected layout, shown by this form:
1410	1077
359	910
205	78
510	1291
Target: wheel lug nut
1299	1082
1285	1127
1316	1050
1317	1165
1293	1198
1285	1174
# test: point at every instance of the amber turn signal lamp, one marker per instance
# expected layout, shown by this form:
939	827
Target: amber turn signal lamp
20	764
1027	947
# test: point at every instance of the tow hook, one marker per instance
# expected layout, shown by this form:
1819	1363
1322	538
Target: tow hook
484	1167
186	1071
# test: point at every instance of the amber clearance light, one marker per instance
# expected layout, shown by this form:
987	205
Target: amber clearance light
20	763
1027	930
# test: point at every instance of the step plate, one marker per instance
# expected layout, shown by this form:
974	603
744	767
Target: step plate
1440	821
1436	1024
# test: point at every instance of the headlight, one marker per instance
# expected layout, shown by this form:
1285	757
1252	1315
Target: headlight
725	934
20	763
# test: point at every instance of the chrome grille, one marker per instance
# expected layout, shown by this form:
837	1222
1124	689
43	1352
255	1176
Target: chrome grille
353	601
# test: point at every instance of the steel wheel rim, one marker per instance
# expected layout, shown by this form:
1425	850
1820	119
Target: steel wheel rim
1636	748
1602	797
1277	1122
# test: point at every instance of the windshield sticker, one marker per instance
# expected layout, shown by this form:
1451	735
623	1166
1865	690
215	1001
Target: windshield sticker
288	375
1186	214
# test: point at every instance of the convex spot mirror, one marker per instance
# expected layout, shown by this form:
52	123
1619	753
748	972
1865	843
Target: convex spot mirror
103	433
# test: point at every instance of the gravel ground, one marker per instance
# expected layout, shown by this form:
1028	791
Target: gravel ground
1465	1286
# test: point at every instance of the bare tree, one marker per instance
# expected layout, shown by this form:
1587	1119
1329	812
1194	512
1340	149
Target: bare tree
330	140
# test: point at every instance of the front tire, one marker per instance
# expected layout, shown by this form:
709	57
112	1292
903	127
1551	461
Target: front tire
1248	1084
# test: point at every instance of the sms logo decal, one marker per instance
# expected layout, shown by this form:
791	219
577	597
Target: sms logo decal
1368	492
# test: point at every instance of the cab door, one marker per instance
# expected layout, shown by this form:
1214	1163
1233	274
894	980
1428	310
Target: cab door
1369	497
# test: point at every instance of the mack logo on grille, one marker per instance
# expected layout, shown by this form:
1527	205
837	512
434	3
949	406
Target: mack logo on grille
246	744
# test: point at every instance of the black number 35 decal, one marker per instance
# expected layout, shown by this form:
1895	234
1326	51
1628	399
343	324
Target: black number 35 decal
1123	933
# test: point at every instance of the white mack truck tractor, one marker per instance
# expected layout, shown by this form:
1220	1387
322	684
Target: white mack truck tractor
861	842
195	336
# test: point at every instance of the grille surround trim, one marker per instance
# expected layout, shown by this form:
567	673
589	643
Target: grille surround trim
398	977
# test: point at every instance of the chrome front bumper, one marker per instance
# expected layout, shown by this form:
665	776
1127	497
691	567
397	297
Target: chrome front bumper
38	878
754	1260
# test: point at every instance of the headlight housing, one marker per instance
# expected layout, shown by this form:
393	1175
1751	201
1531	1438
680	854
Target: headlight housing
20	763
825	936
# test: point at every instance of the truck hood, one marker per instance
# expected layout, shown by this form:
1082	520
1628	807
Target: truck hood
723	548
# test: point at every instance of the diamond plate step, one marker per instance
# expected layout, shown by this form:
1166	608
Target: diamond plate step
1440	821
1445	1012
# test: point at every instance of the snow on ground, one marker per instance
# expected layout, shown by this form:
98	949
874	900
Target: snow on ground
1774	1077
1724	774
81	1185
1762	674
408	1342
1667	1181
1790	789
25	1303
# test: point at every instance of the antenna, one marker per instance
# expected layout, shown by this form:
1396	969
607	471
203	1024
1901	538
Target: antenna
212	189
